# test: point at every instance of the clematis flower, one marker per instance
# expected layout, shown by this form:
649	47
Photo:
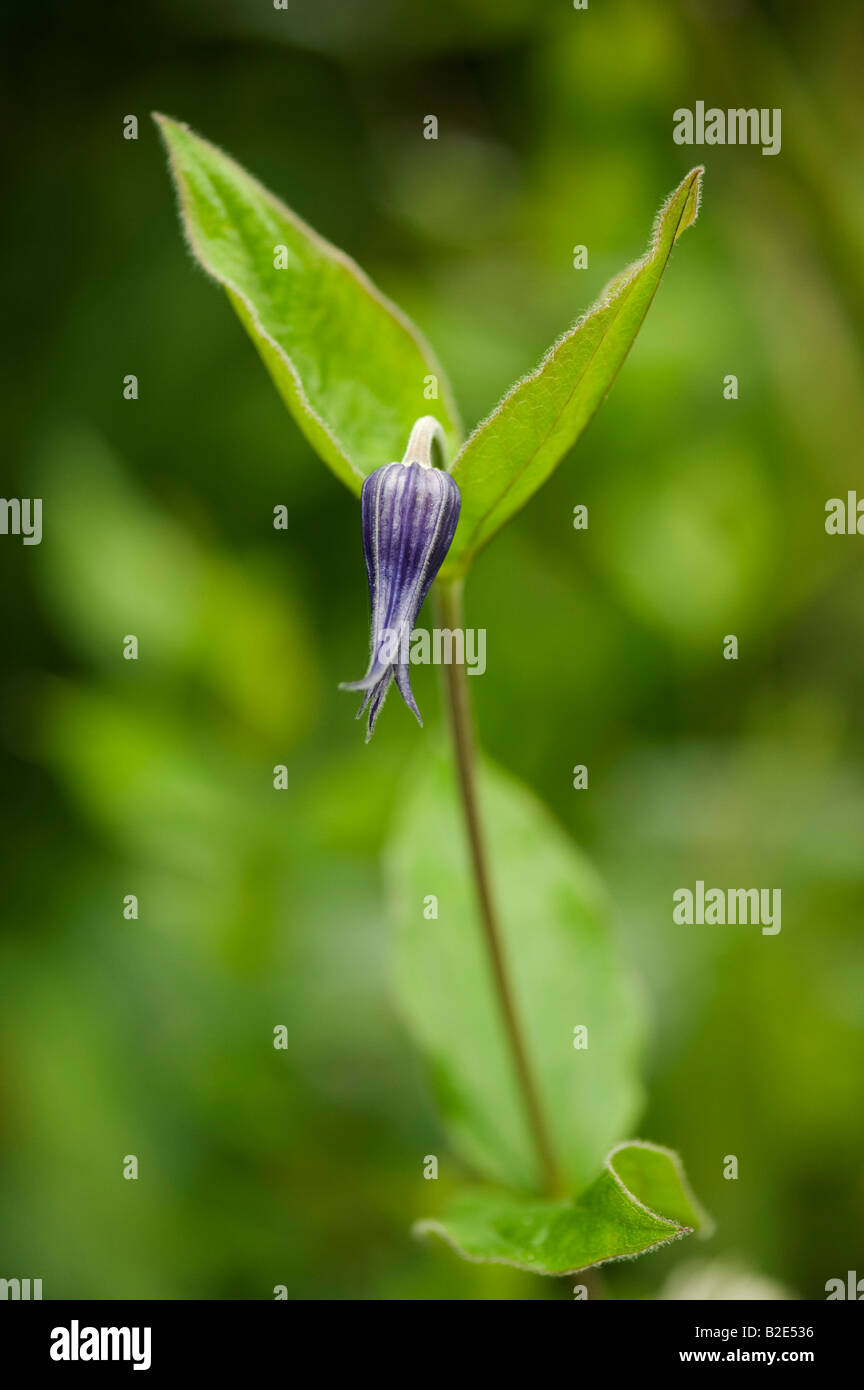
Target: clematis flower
409	514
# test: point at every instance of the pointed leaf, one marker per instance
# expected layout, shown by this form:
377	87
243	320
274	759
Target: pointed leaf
515	449
564	969
348	364
640	1201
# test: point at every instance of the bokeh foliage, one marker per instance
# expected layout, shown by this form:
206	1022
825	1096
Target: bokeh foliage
706	517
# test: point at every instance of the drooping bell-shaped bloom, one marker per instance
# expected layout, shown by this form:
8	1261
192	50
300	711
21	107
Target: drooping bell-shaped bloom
409	514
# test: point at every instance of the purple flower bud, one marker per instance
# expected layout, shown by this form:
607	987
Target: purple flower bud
409	513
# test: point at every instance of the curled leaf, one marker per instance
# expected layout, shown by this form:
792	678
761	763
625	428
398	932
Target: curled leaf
640	1201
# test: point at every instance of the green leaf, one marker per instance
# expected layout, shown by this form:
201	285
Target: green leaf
201	614
564	972
349	365
640	1201
512	453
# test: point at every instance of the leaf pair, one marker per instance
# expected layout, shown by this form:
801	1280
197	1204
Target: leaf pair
580	1020
356	375
355	372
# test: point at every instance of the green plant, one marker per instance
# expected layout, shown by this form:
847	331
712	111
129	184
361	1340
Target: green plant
521	953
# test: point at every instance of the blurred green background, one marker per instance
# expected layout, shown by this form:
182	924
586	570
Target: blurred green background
154	1037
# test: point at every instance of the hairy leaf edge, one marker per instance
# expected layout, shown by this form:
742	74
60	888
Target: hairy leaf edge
705	1228
164	123
614	290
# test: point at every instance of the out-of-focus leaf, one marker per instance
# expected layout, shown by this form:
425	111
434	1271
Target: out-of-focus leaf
347	362
691	547
640	1201
119	564
725	1280
564	969
180	802
514	450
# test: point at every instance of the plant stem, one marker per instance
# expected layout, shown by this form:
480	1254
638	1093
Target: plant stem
449	596
426	434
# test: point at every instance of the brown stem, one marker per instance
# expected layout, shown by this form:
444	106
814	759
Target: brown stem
449	597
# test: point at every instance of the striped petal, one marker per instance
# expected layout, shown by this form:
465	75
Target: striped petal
409	514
